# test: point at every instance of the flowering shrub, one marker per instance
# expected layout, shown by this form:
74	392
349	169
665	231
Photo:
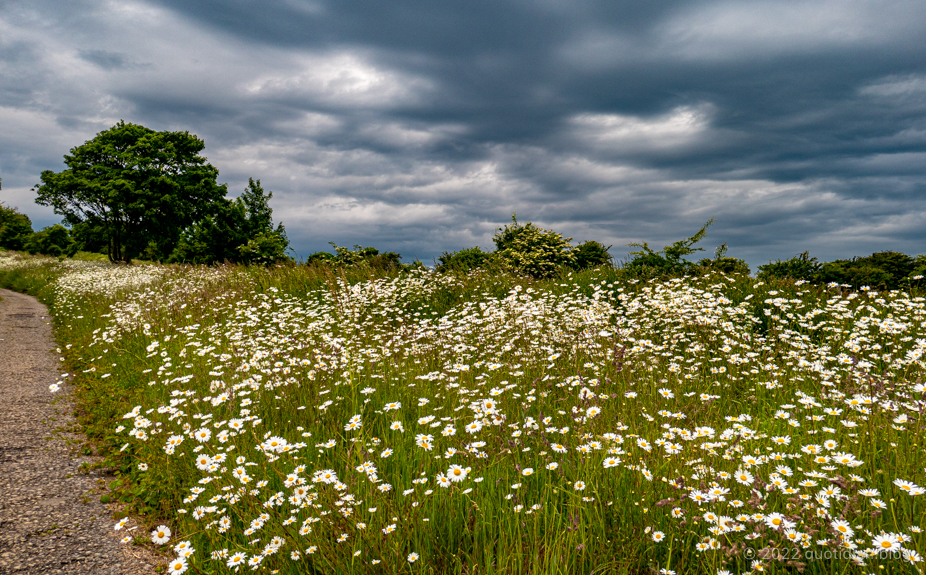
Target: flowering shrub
531	250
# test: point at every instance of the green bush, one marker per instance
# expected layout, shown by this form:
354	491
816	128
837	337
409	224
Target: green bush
591	254
800	267
668	261
883	270
532	251
464	260
724	263
362	257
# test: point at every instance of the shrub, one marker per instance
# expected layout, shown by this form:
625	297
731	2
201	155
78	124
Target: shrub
724	263
591	254
671	259
800	267
358	257
265	248
884	270
463	260
531	250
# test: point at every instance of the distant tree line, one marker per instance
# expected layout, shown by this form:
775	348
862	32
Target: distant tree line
134	193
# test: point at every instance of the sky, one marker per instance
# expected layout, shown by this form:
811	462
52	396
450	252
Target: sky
420	127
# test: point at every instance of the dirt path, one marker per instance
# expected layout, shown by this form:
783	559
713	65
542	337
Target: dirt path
51	518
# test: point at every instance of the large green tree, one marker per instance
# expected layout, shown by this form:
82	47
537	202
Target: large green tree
139	188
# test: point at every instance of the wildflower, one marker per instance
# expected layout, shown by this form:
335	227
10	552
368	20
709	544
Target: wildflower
161	535
456	473
579	486
412	557
527	471
177	566
658	536
885	542
843	528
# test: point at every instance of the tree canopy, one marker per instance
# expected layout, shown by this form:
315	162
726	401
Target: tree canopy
137	187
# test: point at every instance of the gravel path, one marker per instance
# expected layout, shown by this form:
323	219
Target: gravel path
51	518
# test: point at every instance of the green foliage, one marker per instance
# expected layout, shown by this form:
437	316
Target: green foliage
321	258
884	270
52	241
238	231
360	257
724	263
670	260
15	228
590	254
800	267
265	248
532	251
139	187
881	270
90	237
464	260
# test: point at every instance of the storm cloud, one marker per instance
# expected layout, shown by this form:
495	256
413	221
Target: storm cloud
420	127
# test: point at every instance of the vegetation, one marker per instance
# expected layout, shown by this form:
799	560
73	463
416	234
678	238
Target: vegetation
151	195
882	270
290	418
367	258
671	259
15	228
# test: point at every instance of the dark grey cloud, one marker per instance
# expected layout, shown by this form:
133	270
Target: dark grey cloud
421	126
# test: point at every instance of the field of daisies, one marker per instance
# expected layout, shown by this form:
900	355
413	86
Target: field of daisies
300	420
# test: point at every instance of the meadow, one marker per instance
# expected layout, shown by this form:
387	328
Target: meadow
299	419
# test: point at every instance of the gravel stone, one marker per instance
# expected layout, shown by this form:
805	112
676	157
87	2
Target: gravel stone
51	517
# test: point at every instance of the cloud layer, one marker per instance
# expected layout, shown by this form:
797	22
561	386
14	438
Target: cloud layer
420	127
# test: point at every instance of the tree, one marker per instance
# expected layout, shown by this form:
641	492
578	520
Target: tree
140	187
15	228
52	241
239	230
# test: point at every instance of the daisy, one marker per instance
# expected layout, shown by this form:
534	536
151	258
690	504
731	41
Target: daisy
161	535
843	528
237	559
885	542
456	473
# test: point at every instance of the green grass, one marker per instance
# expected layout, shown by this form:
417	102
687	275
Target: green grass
629	400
